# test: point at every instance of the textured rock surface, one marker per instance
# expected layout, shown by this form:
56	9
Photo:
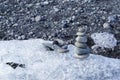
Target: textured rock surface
48	19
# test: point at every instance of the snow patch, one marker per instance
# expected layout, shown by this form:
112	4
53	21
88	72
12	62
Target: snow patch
50	65
104	40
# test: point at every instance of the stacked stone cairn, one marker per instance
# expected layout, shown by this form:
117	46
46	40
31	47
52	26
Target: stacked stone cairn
81	50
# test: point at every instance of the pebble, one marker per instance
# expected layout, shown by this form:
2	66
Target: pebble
61	50
80	45
48	46
55	47
59	42
80	34
106	25
81	30
81	51
81	56
66	25
81	39
45	3
37	18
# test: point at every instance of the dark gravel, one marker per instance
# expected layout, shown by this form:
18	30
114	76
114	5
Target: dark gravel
49	19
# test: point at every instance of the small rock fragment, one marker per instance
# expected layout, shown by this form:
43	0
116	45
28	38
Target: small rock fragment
106	25
37	18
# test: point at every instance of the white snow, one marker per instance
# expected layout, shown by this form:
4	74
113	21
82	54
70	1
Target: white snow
50	65
104	40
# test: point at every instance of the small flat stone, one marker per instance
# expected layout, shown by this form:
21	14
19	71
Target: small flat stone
80	34
81	30
59	42
61	50
81	51
81	56
80	45
81	39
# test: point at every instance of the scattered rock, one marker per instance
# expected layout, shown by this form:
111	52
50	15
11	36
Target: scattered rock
106	25
81	39
80	45
15	65
48	46
66	25
112	18
57	45
59	42
37	18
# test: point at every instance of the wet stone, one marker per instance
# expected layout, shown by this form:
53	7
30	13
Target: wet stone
81	30
82	51
81	56
80	45
80	34
61	50
106	26
81	39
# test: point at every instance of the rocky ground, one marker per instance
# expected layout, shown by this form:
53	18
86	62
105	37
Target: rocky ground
49	19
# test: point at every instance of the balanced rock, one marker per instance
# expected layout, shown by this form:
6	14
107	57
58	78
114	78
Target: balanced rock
81	39
80	34
81	51
81	56
80	45
81	30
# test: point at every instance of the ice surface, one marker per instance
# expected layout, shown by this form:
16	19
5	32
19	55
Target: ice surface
104	40
51	65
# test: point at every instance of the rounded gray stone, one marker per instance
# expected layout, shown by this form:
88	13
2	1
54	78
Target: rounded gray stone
80	45
60	42
80	34
81	30
48	46
81	39
81	56
81	51
61	50
106	25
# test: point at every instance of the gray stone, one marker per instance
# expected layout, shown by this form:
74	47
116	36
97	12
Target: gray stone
81	56
48	46
60	42
80	34
51	47
81	39
81	30
61	50
80	45
106	25
81	51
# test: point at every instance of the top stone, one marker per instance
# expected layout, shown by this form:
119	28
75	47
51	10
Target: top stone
81	30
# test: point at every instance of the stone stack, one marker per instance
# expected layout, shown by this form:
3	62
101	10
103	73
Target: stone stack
81	51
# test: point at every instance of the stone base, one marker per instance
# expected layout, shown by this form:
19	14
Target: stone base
81	56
